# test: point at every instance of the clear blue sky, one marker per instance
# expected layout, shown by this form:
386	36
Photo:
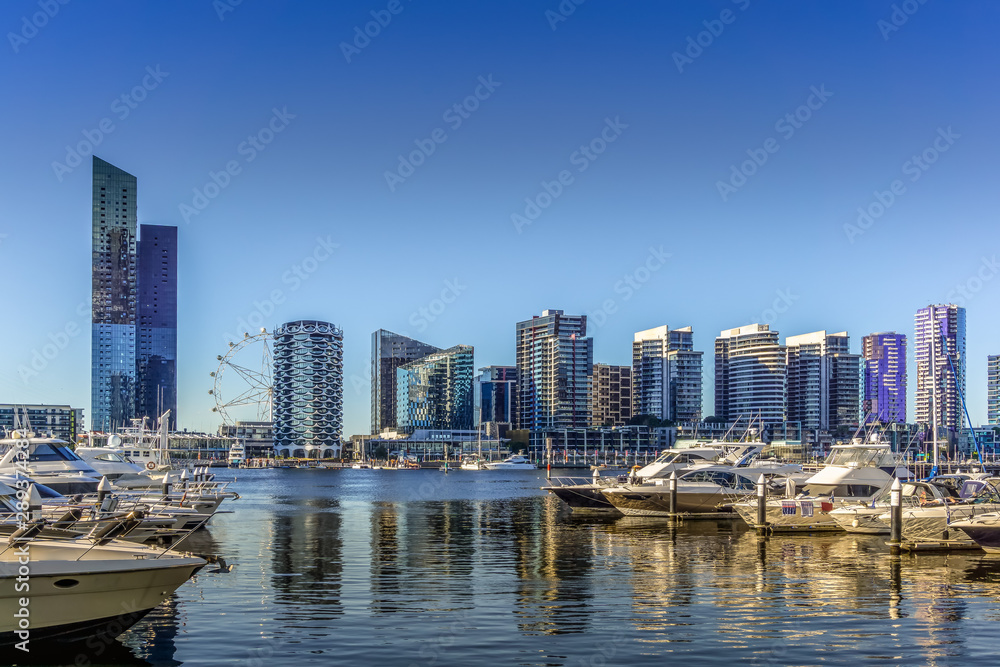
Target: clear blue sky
678	127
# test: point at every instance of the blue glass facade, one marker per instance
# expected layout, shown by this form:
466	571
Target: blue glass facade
389	352
156	358
885	377
113	337
495	395
308	386
435	392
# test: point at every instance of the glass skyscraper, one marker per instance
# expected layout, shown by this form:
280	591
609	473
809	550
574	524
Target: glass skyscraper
555	366
822	381
940	333
435	392
308	388
666	374
389	352
156	358
113	330
993	389
750	375
134	308
885	377
495	391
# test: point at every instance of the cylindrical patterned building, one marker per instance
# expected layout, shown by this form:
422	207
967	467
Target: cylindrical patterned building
308	389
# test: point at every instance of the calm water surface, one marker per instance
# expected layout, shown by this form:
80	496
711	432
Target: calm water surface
423	568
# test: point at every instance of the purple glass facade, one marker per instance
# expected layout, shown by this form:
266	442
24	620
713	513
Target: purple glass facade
885	377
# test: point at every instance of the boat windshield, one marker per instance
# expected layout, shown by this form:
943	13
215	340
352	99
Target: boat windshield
110	456
860	457
44	451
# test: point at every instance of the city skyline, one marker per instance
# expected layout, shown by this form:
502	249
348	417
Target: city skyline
804	186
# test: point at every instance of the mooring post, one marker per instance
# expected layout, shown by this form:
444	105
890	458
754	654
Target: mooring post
548	458
895	517
761	506
103	489
673	494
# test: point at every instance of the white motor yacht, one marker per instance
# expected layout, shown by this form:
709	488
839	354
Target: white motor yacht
703	489
81	587
513	462
472	462
237	454
931	518
870	518
48	461
853	473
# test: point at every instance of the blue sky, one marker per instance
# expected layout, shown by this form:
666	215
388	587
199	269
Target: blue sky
208	89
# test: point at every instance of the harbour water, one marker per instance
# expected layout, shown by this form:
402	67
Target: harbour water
427	568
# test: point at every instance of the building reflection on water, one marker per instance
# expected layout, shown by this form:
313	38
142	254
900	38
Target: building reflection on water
439	578
307	561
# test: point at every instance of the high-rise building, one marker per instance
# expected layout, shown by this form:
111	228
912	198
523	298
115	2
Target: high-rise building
822	381
495	395
940	357
993	389
435	391
62	421
750	375
389	352
156	356
308	387
884	377
666	374
113	310
554	369
611	395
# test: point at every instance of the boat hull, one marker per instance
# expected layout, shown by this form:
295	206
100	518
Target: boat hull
987	536
582	497
781	520
641	502
72	603
862	520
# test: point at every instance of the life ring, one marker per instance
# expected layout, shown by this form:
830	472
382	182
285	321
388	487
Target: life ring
150	465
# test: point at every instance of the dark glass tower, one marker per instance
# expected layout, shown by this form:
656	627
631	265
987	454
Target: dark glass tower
389	352
156	358
113	339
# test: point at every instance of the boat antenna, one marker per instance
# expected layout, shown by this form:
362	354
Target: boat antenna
726	435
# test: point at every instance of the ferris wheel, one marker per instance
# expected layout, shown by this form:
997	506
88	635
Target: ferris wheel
248	390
